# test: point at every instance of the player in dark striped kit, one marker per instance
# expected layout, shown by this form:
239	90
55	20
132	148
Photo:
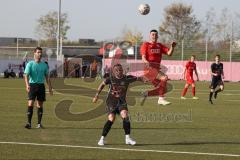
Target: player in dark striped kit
217	76
116	101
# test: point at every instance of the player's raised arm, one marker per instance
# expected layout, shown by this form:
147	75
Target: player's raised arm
100	88
171	50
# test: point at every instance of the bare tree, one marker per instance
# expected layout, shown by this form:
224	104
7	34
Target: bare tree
179	22
47	25
223	26
209	23
135	37
236	26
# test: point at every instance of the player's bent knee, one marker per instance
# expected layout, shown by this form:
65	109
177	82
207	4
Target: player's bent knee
30	103
164	78
124	114
39	104
111	117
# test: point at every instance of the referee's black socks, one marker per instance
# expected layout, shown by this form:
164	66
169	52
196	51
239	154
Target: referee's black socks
40	113
210	96
29	114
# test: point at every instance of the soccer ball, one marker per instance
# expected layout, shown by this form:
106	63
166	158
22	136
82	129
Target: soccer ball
144	9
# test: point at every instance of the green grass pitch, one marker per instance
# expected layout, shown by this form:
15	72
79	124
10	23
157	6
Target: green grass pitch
192	129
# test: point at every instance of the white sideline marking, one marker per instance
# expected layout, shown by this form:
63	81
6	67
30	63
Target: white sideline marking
124	149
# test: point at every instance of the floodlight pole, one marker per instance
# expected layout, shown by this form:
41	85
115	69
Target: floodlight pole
231	42
59	29
17	47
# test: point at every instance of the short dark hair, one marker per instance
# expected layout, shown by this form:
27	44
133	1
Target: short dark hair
154	30
37	48
117	65
217	55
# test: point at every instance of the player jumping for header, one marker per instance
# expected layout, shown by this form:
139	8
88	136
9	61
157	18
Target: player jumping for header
151	56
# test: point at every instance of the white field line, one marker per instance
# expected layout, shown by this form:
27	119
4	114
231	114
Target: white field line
123	149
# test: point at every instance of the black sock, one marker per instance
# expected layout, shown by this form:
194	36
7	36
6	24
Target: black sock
107	128
40	113
217	91
126	126
210	96
29	114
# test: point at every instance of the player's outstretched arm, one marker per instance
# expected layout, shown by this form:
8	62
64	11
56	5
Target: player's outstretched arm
171	50
100	88
142	79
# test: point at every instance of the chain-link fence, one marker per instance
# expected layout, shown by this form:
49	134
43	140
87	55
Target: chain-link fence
204	51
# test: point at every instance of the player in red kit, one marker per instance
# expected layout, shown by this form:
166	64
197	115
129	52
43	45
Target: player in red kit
188	75
152	52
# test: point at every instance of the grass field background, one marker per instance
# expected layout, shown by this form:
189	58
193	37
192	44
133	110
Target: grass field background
208	129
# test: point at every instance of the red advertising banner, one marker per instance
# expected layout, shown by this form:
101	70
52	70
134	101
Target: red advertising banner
175	69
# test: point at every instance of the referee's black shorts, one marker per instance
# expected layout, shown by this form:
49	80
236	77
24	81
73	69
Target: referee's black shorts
37	90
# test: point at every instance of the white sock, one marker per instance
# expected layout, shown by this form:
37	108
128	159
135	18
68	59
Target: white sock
102	138
161	98
127	136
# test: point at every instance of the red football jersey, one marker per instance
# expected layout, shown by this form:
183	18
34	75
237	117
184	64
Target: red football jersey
190	66
153	51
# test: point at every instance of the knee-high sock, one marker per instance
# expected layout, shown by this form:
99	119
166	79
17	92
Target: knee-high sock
210	95
162	88
184	91
107	128
40	114
29	114
126	126
193	91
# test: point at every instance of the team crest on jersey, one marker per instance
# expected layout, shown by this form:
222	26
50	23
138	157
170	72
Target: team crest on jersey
155	51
